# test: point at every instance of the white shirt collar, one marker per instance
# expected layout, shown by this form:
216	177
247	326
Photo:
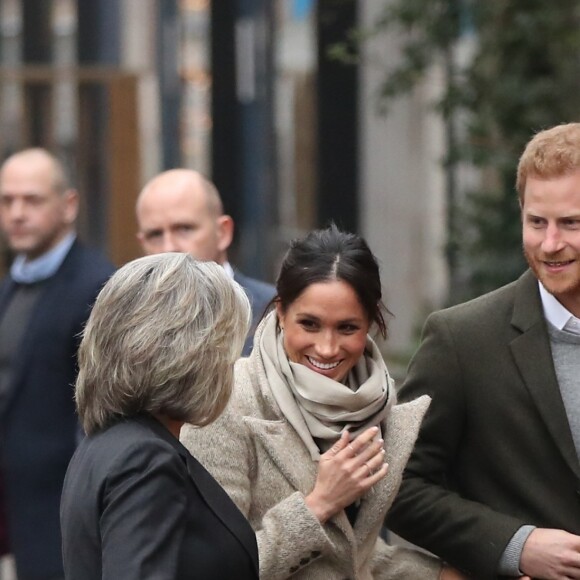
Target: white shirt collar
556	314
229	270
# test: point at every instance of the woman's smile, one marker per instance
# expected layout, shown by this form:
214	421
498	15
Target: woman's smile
321	365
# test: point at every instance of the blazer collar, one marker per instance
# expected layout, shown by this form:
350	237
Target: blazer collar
211	492
527	303
533	357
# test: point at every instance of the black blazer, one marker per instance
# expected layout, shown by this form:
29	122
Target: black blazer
38	424
495	450
260	295
137	506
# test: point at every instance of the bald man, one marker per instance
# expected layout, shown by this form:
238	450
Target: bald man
44	302
181	211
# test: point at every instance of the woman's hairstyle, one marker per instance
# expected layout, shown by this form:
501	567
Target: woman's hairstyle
551	153
329	254
161	339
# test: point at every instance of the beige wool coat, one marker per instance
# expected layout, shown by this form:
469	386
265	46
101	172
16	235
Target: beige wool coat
262	463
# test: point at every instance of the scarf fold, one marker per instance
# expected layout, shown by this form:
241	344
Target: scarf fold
320	408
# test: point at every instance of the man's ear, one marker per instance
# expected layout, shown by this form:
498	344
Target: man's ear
70	206
225	230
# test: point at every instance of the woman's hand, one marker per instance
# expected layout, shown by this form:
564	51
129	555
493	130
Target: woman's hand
346	472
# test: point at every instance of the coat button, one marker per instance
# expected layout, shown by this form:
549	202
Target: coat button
315	553
294	569
304	561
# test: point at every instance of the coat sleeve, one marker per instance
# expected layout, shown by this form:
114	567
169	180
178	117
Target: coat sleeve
427	511
289	536
143	519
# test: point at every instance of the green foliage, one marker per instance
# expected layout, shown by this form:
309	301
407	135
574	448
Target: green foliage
524	75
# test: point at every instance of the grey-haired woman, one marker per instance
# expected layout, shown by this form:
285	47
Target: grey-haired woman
158	350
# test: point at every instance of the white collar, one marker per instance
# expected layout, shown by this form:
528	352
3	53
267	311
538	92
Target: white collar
556	314
229	270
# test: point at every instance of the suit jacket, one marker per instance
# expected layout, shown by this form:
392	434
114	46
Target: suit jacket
255	453
495	451
260	295
137	506
38	425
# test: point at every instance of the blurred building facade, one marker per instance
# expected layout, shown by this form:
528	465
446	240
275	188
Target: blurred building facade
244	91
402	189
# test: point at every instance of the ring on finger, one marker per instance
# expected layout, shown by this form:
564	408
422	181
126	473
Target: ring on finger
369	468
352	449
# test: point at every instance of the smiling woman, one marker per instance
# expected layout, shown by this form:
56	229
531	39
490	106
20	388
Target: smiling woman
312	447
325	329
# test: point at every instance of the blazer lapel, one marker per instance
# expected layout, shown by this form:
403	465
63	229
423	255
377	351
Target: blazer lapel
399	432
39	319
287	451
223	507
42	315
6	289
533	357
212	493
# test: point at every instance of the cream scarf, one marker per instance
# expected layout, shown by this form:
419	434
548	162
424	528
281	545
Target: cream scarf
320	408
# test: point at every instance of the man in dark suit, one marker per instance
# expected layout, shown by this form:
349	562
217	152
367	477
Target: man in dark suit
181	211
44	302
493	486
